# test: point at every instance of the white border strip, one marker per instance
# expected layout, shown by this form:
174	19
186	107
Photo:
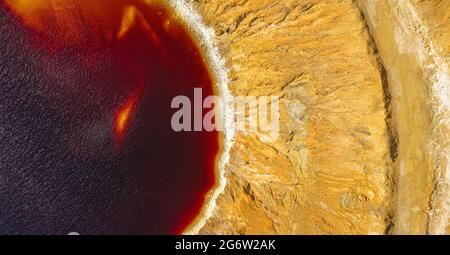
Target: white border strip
207	41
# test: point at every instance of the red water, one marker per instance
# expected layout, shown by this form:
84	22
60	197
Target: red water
110	71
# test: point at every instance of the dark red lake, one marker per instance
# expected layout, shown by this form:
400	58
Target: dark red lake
86	143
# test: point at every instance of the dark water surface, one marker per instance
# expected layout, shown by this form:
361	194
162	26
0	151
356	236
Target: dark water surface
85	138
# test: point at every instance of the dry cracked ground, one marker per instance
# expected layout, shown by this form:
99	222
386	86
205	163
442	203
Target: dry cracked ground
364	97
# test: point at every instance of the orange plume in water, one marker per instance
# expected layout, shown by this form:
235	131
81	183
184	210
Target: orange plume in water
94	24
69	22
125	112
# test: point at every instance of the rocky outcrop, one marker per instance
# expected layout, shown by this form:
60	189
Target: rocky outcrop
329	172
